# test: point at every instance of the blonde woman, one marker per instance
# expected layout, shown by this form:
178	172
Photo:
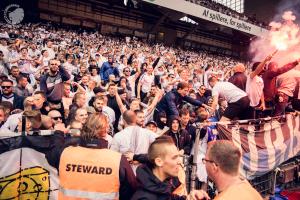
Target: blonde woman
96	127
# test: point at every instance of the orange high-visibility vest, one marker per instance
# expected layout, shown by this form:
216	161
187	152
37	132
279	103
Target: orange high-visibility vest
87	173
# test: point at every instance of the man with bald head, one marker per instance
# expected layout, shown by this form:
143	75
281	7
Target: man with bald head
133	140
239	79
55	117
222	162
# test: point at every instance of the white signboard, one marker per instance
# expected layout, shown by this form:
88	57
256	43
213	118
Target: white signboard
210	15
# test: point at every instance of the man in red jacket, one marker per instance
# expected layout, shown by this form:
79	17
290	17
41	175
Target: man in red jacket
270	76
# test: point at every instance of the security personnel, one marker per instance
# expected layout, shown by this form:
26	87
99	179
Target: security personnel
89	170
83	171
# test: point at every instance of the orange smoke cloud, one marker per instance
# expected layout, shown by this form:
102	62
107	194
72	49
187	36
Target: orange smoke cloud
283	36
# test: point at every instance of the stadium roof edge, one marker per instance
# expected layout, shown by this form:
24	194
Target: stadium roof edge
199	11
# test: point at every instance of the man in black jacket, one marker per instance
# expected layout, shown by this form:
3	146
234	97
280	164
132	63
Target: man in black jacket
10	96
157	180
173	100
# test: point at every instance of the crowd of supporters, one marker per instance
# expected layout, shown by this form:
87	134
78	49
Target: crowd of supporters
129	92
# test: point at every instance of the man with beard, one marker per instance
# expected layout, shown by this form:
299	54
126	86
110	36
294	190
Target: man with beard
14	73
112	103
107	69
10	96
140	118
52	82
100	105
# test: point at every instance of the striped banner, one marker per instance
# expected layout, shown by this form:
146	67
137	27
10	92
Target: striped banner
264	145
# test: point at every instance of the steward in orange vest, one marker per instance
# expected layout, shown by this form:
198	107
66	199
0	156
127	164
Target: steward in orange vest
91	171
87	169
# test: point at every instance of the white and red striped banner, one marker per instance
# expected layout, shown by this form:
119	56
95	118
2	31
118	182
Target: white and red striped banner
264	146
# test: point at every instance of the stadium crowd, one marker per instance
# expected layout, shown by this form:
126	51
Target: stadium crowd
139	99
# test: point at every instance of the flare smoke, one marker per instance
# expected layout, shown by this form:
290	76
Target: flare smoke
284	36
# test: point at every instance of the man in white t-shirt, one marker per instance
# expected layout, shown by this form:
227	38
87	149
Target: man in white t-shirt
145	83
70	68
238	101
49	48
133	140
255	87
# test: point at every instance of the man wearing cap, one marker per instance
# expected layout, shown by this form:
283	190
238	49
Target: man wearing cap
98	91
152	126
108	68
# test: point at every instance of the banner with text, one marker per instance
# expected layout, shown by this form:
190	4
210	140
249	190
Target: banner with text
210	15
